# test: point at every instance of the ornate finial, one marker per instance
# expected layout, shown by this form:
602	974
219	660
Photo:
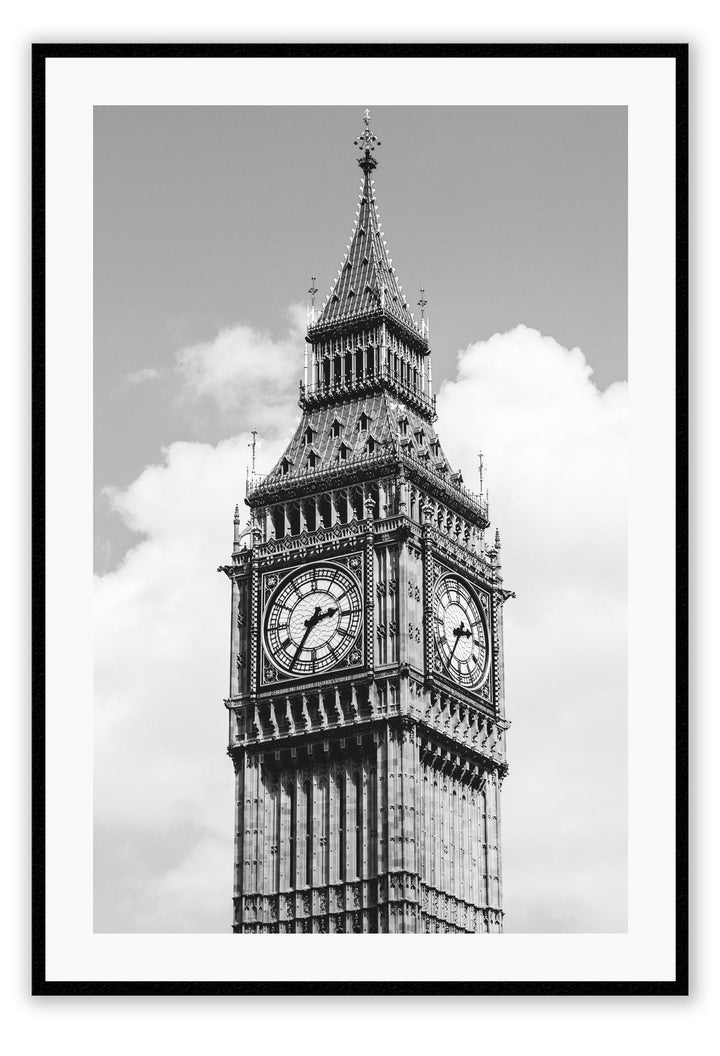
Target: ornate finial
236	517
311	314
497	538
369	505
253	446
367	143
422	302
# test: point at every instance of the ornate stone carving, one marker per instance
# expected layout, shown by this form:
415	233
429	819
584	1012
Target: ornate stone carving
357	766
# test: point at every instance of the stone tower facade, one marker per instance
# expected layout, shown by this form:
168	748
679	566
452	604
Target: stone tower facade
367	713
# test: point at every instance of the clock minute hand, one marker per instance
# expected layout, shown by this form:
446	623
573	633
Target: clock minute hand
309	624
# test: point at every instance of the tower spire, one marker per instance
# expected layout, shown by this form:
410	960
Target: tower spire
367	141
366	282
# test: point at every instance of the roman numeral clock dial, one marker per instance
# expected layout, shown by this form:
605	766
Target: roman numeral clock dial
313	620
460	633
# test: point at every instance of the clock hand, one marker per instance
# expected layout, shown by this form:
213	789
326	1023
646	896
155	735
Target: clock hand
309	624
457	632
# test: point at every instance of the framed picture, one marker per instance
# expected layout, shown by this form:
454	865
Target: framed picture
360	609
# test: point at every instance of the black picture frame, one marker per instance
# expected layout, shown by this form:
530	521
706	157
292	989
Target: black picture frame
41	53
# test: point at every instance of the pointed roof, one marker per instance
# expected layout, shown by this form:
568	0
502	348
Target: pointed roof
367	281
392	452
382	412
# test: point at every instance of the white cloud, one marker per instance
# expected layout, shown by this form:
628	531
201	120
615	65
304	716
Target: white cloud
555	450
247	372
139	376
556	466
163	785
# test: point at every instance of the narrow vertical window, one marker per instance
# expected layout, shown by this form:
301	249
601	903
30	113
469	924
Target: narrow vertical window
293	834
343	827
308	835
357	784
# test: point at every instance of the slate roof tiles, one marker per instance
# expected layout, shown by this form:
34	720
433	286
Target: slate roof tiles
385	416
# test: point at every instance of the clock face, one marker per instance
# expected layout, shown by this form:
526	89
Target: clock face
460	632
313	620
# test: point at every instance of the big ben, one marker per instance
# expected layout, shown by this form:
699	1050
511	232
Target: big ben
366	707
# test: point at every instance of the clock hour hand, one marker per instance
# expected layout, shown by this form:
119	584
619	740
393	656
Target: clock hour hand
459	632
309	624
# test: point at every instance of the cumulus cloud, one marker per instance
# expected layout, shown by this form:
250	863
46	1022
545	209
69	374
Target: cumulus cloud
247	371
145	374
556	457
163	786
555	450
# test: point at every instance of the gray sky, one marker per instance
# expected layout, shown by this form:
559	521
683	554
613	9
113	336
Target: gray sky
206	217
208	223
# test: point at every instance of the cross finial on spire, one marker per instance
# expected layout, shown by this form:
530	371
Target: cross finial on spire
367	142
422	302
313	289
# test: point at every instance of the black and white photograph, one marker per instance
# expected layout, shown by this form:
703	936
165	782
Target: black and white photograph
366	441
374	536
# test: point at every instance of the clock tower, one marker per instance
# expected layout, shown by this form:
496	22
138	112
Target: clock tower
367	712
